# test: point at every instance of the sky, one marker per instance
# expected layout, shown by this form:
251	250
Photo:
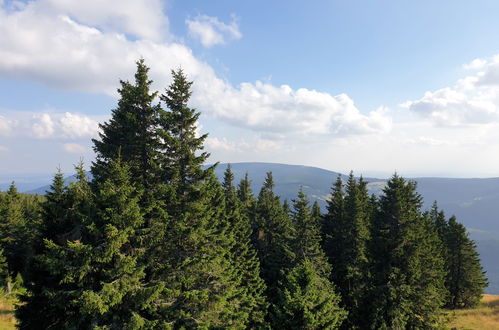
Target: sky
373	86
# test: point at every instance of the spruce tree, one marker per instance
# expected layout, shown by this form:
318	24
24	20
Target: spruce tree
14	231
182	156
194	256
50	302
272	236
247	199
466	279
307	300
333	223
409	269
351	271
243	254
307	238
306	297
131	133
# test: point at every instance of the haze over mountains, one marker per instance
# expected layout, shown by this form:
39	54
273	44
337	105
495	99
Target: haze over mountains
475	202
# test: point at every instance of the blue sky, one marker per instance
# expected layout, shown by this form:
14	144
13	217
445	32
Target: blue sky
372	86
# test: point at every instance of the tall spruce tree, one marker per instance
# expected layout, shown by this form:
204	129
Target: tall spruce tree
307	238
131	133
409	269
182	155
194	256
466	279
333	223
351	272
273	235
243	254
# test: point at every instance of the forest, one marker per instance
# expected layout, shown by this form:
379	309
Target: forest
153	240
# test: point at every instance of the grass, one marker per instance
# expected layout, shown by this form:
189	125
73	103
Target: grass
485	316
7	319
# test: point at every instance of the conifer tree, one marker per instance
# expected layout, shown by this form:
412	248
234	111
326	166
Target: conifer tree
333	223
302	303
243	254
351	272
440	223
306	300
307	238
194	256
14	231
182	156
316	214
49	302
409	273
90	276
466	279
273	236
247	199
131	133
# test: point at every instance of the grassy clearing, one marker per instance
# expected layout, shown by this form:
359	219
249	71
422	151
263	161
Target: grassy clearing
7	319
485	316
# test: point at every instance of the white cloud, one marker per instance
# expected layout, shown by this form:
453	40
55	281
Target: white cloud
472	100
6	126
43	126
61	44
267	108
210	31
429	141
75	126
49	125
3	149
256	144
218	144
477	63
74	148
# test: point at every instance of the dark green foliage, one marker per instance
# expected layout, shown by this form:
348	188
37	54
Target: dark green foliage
347	226
409	270
18	219
156	242
106	265
47	305
131	132
306	297
243	254
273	235
466	278
202	285
89	276
332	226
307	301
181	165
307	239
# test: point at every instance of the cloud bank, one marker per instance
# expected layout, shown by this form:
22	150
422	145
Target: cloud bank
87	46
210	31
472	100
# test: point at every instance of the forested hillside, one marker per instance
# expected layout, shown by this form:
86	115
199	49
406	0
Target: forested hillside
154	240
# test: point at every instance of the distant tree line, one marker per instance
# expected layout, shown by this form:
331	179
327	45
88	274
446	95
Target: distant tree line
155	241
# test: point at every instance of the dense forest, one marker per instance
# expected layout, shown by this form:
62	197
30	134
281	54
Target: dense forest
155	241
